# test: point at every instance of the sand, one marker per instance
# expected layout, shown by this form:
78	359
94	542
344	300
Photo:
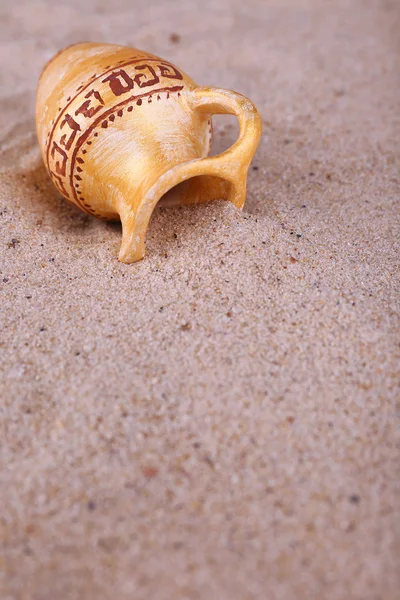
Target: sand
217	421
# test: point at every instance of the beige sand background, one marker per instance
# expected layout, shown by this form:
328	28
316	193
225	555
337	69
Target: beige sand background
216	422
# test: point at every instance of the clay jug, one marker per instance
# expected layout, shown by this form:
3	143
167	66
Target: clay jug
120	128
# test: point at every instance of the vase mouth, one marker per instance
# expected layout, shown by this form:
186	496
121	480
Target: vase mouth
195	190
193	182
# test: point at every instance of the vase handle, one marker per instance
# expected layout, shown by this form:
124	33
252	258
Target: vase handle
232	164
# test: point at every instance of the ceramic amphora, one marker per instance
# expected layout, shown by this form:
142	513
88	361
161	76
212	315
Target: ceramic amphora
119	129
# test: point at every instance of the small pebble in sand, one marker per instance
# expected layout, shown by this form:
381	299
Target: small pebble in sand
354	499
149	472
174	38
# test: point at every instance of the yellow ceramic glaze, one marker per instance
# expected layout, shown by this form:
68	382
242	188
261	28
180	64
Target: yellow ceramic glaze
119	128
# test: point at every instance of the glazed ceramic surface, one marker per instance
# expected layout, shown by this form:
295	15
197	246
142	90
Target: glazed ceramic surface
119	128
